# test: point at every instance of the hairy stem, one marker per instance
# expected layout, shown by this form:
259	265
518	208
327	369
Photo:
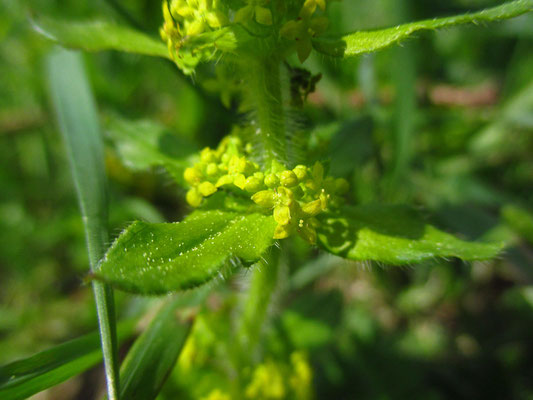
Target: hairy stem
262	287
263	86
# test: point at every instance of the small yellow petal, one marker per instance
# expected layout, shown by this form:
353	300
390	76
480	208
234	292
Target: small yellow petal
207	189
319	25
300	171
312	208
263	15
240	181
282	215
303	48
211	169
224	180
282	232
318	172
244	14
308	9
285	196
193	197
290	30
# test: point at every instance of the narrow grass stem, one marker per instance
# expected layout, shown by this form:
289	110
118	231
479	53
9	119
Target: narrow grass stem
78	121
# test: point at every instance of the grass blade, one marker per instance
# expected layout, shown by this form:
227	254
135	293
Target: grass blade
24	378
78	120
154	354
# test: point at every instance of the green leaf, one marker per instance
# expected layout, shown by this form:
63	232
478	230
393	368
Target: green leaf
76	113
24	378
144	144
394	235
361	42
99	36
160	258
155	352
519	220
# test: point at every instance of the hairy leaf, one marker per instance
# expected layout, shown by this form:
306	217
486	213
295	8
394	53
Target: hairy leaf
98	36
144	144
361	42
394	235
160	258
24	378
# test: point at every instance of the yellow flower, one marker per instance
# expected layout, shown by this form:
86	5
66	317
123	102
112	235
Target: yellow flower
216	394
267	383
254	8
288	178
302	377
198	15
303	30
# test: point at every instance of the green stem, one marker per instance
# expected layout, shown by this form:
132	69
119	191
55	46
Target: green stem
263	86
263	284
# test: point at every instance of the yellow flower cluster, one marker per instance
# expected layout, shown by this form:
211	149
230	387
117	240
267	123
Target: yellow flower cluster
191	17
272	380
186	19
295	196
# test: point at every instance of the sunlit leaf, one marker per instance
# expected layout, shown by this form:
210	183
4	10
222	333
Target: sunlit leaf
98	36
361	42
23	378
394	235
160	258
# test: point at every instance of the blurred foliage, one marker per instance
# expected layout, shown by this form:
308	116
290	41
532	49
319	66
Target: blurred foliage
444	122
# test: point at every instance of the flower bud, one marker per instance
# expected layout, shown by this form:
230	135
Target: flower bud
237	165
252	184
271	180
211	169
206	188
300	171
207	155
192	175
288	178
341	186
193	197
264	198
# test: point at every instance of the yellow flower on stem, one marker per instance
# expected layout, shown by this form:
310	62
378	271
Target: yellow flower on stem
198	15
257	9
303	30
